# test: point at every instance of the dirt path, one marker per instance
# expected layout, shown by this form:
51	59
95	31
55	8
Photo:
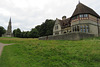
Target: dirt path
1	47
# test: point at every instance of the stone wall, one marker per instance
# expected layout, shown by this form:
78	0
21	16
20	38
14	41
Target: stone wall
70	36
7	35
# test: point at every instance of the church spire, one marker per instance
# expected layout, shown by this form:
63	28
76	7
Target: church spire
9	29
10	21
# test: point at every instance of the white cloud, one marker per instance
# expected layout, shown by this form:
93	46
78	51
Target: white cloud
26	14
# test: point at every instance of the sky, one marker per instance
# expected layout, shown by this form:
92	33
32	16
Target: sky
26	14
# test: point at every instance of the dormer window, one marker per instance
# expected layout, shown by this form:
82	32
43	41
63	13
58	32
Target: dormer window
81	16
85	15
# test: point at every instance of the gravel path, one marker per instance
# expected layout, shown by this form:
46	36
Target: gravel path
1	47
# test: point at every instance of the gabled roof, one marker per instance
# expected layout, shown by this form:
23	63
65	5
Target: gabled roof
81	9
65	23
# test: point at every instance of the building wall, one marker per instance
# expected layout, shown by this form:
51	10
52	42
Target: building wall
66	30
92	22
93	29
7	35
70	36
57	23
93	18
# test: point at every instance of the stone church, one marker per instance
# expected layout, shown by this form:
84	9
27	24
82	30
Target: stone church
9	30
83	20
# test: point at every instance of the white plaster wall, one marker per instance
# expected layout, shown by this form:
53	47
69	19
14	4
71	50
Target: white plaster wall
57	23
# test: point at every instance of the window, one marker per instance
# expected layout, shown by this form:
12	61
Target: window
87	28
64	32
76	17
85	15
77	28
81	16
84	28
56	27
73	29
81	28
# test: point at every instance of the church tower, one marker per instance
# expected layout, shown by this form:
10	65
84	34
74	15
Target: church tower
9	30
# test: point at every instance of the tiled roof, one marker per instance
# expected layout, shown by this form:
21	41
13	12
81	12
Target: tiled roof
65	23
81	9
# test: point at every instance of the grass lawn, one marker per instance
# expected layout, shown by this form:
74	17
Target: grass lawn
50	53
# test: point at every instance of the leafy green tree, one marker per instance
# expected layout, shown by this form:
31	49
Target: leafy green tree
47	28
44	29
17	32
25	34
34	33
14	32
2	30
28	34
38	29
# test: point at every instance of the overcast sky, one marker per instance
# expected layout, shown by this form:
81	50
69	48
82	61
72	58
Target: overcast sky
26	14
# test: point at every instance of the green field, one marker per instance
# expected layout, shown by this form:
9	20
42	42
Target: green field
50	53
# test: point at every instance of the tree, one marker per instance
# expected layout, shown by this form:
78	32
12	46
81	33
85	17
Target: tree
14	32
28	34
34	33
38	29
2	31
47	28
17	32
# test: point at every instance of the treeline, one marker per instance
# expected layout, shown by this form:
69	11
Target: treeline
2	30
44	29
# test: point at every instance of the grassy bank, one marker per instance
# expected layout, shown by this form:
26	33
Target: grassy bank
51	53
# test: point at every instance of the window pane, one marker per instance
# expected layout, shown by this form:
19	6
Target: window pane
85	15
81	30
87	30
80	26
80	15
73	28
57	27
87	26
77	28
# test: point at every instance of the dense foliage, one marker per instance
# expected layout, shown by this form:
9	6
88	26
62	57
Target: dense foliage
44	29
17	32
2	30
50	53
